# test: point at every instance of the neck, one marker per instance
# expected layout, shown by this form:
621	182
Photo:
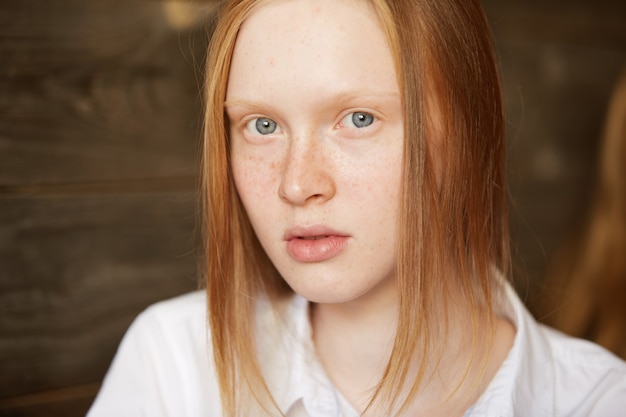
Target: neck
354	340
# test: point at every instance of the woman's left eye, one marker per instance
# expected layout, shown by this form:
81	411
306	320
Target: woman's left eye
358	119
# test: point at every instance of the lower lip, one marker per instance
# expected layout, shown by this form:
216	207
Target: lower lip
316	250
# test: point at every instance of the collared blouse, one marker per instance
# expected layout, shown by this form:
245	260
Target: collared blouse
164	367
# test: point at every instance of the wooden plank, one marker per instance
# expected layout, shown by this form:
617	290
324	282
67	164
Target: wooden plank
556	99
99	125
598	23
76	270
560	60
97	91
66	402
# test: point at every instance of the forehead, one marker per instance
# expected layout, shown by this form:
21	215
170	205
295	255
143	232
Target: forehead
338	39
273	16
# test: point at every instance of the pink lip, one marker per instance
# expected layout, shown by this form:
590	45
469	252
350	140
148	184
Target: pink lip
314	244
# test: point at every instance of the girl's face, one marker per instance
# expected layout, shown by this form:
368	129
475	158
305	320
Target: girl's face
316	130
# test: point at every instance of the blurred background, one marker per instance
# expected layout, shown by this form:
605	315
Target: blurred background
100	125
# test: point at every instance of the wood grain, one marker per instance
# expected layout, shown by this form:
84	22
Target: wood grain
96	90
99	129
560	61
77	271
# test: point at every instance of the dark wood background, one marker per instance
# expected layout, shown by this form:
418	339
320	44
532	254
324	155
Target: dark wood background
99	130
560	62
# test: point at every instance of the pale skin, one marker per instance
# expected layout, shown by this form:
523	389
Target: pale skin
316	145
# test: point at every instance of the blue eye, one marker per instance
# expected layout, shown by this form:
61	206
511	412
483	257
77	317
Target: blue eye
361	119
262	125
358	119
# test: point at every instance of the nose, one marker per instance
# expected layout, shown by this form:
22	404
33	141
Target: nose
307	174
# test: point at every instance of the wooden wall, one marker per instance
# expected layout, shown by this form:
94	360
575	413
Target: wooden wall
99	131
560	61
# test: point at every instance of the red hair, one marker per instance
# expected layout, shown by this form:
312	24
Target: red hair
453	209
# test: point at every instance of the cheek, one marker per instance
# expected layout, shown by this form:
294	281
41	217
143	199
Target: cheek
379	178
254	176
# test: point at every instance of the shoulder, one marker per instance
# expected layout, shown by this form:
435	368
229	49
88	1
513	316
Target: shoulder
182	310
588	380
163	366
171	325
548	373
173	331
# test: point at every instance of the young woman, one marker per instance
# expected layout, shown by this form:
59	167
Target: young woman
356	233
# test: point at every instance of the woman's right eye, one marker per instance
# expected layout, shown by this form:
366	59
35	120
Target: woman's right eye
262	126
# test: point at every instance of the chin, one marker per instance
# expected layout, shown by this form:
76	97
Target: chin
325	293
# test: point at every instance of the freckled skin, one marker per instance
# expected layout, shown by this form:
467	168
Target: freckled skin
316	66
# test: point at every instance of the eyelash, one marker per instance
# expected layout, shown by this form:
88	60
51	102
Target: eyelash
255	124
350	120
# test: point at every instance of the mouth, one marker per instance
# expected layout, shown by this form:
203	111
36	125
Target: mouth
316	232
314	244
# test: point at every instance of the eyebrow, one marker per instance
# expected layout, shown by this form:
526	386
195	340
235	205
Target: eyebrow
337	98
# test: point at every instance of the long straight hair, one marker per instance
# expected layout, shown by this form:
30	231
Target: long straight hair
453	209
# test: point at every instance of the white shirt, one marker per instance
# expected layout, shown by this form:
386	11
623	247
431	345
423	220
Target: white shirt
164	367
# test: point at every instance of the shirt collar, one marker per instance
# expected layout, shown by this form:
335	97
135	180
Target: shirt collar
289	362
293	373
524	383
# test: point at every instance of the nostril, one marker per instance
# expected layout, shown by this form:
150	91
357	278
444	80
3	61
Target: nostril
306	177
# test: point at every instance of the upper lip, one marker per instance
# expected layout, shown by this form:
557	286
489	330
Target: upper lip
299	232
